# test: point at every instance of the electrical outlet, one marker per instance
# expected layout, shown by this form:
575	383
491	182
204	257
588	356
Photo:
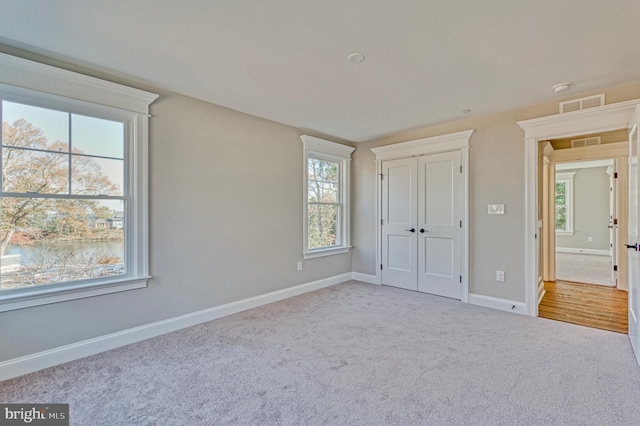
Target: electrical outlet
300	266
500	276
590	239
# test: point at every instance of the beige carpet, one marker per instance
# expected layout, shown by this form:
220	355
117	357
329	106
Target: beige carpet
353	354
584	268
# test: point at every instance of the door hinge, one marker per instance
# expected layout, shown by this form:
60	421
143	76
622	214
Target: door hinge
381	176
615	267
615	175
460	224
381	221
460	169
460	278
381	266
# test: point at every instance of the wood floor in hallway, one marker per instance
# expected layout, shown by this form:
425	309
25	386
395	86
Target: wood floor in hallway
585	304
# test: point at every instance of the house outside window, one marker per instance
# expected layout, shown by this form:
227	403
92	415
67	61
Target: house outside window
564	203
73	189
326	197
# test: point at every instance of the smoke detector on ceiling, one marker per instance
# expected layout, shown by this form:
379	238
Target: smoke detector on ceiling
561	87
355	58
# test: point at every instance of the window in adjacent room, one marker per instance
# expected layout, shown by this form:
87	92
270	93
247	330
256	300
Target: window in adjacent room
564	203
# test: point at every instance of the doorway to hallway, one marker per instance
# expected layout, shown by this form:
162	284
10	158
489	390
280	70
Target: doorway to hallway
580	256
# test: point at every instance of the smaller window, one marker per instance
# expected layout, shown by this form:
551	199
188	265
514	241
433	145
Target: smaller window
564	203
326	197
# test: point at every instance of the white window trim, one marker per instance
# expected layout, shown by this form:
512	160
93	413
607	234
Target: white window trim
26	81
332	151
567	178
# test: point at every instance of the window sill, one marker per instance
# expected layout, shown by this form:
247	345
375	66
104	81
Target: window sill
53	294
325	252
567	233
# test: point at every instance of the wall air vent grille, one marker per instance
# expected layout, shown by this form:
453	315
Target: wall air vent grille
582	103
595	140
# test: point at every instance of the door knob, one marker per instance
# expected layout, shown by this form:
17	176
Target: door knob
411	230
632	246
422	231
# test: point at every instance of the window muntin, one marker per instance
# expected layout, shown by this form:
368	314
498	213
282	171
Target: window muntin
62	206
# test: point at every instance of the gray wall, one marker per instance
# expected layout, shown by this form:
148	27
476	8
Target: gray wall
496	177
225	224
590	210
226	216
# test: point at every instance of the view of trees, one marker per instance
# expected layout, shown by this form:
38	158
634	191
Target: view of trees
561	206
323	203
32	164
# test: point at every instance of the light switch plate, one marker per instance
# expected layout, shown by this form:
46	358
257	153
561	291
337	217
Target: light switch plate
496	208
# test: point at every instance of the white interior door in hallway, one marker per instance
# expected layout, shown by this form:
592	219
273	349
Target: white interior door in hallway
633	234
421	223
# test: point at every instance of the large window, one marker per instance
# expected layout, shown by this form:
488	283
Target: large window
73	186
564	203
326	205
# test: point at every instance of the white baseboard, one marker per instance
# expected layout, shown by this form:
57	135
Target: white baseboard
49	358
496	303
365	278
582	251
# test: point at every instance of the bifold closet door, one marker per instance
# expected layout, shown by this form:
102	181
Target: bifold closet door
439	224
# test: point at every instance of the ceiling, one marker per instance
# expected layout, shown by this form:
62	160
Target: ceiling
285	60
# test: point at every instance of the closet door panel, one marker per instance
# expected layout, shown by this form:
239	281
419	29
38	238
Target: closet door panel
399	210
439	215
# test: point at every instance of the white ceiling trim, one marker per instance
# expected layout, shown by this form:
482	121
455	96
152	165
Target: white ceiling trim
18	72
593	120
432	145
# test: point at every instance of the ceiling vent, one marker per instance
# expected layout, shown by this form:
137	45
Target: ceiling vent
595	140
582	103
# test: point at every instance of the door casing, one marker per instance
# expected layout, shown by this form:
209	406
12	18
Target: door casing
593	120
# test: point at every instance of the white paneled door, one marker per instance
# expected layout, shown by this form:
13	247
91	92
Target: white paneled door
633	231
421	214
399	217
439	208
